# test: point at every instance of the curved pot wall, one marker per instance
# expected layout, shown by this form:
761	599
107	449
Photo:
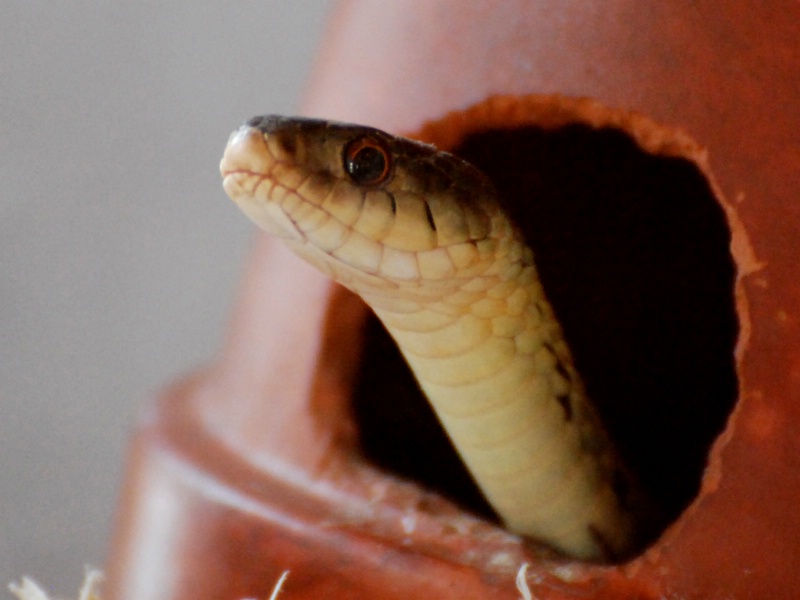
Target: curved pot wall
248	468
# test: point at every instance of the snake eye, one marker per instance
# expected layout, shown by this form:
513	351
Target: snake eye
367	161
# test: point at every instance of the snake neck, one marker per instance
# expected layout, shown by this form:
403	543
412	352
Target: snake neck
492	359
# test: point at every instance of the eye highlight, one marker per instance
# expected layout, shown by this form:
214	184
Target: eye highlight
367	161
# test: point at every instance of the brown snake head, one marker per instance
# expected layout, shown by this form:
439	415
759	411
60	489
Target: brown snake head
363	205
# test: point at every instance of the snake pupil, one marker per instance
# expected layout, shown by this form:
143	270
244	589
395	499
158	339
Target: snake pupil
366	161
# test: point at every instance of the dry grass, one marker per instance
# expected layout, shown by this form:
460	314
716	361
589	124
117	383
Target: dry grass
28	589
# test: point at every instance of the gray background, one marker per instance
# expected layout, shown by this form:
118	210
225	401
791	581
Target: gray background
119	252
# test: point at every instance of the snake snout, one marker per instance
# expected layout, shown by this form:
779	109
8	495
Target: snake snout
245	151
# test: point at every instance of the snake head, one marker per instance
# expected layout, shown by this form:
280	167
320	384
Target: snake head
362	204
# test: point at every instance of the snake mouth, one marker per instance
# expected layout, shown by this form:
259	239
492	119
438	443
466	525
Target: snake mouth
243	164
245	152
245	168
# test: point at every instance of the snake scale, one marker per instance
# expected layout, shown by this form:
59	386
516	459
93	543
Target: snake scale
421	236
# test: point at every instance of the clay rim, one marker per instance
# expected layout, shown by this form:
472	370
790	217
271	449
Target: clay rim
555	111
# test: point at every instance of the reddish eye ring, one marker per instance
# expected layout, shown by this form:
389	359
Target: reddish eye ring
367	161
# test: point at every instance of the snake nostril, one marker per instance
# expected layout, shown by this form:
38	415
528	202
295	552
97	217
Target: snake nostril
287	143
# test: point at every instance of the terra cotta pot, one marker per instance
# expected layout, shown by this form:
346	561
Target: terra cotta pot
675	122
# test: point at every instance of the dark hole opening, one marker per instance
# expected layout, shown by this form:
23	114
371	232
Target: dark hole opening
633	252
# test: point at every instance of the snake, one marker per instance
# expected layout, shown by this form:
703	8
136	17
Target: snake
423	238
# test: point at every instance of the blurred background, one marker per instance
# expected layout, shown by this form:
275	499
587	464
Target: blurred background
119	252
